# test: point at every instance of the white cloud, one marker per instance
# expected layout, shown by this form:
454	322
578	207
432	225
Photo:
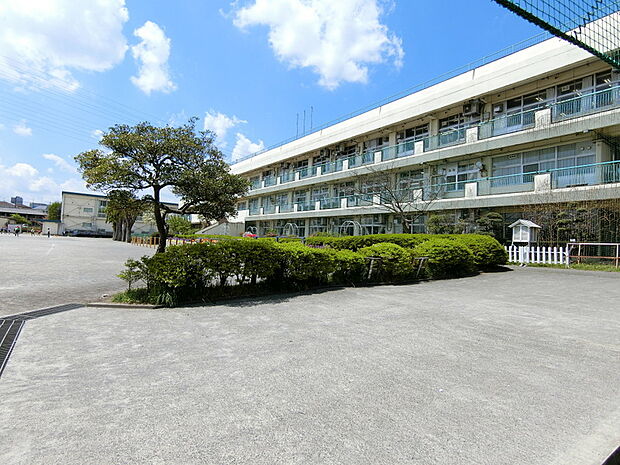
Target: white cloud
245	146
152	53
25	180
97	134
21	170
336	39
57	37
220	124
22	129
60	162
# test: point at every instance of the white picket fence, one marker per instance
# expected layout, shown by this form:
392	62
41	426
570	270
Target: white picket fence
536	254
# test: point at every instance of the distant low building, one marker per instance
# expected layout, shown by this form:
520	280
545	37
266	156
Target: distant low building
84	214
7	209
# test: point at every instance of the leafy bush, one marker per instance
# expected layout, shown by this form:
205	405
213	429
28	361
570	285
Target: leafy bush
396	262
359	242
302	265
447	258
289	239
488	252
350	267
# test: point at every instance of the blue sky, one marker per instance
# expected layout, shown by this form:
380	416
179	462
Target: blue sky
69	70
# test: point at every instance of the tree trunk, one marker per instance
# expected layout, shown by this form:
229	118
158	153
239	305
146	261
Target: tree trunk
160	222
130	223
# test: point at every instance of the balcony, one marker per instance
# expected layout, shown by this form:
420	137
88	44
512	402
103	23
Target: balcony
330	203
507	124
595	101
605	98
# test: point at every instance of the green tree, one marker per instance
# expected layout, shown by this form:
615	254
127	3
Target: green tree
440	224
53	211
179	225
491	223
122	210
146	157
19	219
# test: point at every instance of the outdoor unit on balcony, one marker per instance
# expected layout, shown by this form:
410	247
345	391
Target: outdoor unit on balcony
472	108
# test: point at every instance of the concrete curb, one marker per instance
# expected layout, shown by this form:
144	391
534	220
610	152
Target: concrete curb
121	305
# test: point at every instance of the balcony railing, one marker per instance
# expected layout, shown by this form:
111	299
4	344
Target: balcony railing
586	175
591	102
447	139
306	206
604	98
507	124
330	203
269	209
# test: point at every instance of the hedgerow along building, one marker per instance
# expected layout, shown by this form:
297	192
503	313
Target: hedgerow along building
538	127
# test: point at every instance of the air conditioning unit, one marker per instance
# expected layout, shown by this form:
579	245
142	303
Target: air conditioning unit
498	108
472	108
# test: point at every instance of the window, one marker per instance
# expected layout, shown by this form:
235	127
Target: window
101	208
412	134
253	206
282	199
373	224
376	144
300	197
318	225
88	209
322	158
344	189
242	206
319	193
451	123
411	180
87	225
459	176
520	168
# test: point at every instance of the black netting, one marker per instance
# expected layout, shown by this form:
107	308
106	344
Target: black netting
593	25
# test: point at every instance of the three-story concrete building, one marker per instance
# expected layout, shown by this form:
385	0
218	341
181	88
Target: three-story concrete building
538	126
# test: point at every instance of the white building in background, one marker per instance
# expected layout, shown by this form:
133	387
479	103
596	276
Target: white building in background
538	126
85	214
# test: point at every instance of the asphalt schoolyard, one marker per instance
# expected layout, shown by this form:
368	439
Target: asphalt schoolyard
519	367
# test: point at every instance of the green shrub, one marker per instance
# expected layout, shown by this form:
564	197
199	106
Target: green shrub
488	252
350	267
289	239
173	275
359	242
302	265
447	258
396	263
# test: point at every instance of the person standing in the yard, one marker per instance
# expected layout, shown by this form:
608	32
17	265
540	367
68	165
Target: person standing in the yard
48	232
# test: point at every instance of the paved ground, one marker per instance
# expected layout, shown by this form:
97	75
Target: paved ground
512	368
38	271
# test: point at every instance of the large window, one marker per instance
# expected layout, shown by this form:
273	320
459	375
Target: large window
101	208
457	177
318	225
520	168
373	224
412	134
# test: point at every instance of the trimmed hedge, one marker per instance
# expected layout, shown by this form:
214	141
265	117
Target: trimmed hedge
396	262
488	252
447	258
240	267
359	242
